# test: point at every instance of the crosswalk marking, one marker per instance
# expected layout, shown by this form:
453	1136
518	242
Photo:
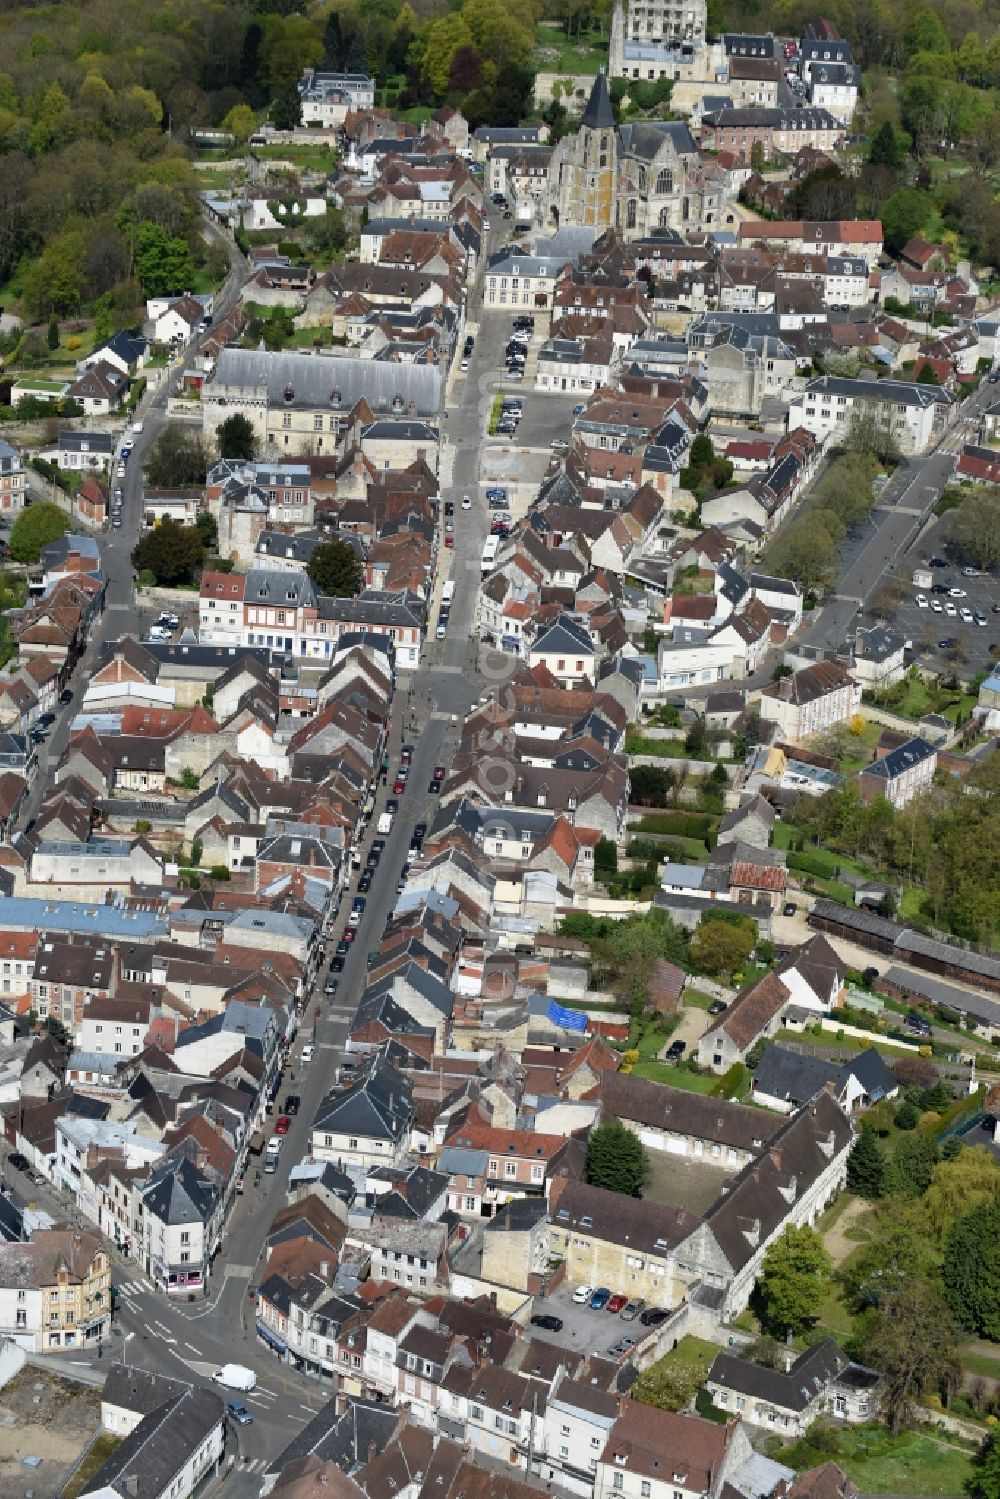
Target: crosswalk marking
134	1287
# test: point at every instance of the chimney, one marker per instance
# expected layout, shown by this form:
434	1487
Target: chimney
132	1484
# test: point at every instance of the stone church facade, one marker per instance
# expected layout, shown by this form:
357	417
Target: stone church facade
635	178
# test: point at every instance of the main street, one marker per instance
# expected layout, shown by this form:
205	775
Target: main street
191	1339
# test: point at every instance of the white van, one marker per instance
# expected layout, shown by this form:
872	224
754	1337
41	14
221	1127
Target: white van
448	592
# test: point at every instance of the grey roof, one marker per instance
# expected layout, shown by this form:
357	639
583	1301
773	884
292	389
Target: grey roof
901	392
564	635
745	44
460	1160
914	752
792	1076
86	442
155	1453
648	137
598	114
377	1106
778	119
517	1216
179	1193
138	1390
344	1438
962	1001
813	50
292	379
804	1382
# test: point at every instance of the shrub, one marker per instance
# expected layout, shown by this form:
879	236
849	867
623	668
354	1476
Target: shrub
219	872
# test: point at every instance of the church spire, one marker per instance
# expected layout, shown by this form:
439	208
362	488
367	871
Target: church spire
598	114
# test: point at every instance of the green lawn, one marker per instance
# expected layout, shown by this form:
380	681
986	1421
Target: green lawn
694	1354
980	1363
317	158
696	998
917	698
556	53
676	1077
860	749
912	1463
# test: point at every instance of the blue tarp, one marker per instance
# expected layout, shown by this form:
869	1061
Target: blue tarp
570	1020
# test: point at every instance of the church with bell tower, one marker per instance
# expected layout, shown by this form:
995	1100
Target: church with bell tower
584	166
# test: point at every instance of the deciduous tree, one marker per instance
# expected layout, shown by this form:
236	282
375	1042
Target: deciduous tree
970	1270
176	459
910	1337
171	552
34	529
719	947
792	1279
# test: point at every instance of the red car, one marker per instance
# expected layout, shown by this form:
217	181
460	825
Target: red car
349	934
616	1303
282	1124
398	787
449	541
439	772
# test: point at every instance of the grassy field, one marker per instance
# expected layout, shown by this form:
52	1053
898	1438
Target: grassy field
694	1354
912	1463
920	698
655	1071
556	53
318	158
697	999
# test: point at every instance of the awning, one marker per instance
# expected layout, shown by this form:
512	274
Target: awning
271	1339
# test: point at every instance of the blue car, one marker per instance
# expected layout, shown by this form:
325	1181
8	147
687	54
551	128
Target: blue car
600	1299
577	410
239	1413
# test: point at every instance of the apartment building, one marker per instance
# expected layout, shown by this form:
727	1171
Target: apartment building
812	700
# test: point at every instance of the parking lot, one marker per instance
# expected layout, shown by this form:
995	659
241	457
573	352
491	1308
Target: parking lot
583	1330
928	627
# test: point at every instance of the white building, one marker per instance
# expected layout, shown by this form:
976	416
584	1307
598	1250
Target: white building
914	413
834	86
812	700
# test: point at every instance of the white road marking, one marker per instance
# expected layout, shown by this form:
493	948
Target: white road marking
192	1348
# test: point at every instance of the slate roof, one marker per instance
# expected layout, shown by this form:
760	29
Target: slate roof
648	1227
598	114
313	380
685	1113
808	1377
179	1193
377	1106
345	1439
155	1453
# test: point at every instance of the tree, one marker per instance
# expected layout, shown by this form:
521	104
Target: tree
958	1187
907	1116
870	431
970	1270
885	149
240	122
757	157
985	1480
176	459
792	1280
908	1173
34	529
669	1384
616	1160
975	526
335	569
52	338
897	1254
286	108
866	1165
171	552
163	262
205	522
910	1338
237	438
805	552
719	947
651	785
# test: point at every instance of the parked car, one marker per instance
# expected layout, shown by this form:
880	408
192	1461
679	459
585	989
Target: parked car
600	1299
18	1161
282	1124
631	1310
616	1303
349	935
675	1051
550	1323
292	1104
717	1006
307	1052
66	696
582	1295
653	1316
332	984
239	1413
398	787
918	1023
789	908
434	787
364	885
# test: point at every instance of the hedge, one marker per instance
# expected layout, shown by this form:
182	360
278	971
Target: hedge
680	824
731	1082
821	864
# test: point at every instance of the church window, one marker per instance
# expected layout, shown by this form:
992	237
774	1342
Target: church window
631	213
665	181
641	179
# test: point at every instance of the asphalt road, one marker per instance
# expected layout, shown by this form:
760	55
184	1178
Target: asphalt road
896	530
122	615
191	1339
